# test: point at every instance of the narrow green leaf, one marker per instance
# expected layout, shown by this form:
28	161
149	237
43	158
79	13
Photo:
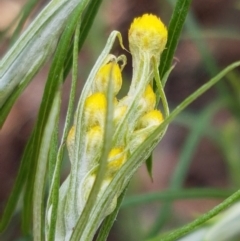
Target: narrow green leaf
174	31
228	139
200	91
54	191
41	168
18	187
5	109
80	228
86	25
33	48
26	11
110	219
53	152
191	143
175	195
149	166
52	86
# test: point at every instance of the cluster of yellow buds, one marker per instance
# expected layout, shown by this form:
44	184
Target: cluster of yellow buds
135	118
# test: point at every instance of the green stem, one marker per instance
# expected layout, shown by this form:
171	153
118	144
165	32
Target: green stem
110	219
160	89
173	195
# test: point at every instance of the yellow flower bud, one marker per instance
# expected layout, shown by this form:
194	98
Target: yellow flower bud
152	118
116	157
94	139
108	71
146	125
148	101
95	109
119	113
147	34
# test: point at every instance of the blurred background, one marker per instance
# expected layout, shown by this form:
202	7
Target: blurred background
200	148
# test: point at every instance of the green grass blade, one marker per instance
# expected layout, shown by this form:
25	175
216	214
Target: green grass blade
18	187
42	164
53	152
109	220
52	86
199	92
174	195
54	192
85	27
27	9
80	228
5	109
174	31
149	166
212	66
191	143
34	47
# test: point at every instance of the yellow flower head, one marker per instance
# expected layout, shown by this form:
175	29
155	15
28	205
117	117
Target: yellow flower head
152	118
94	139
95	109
147	34
119	113
117	158
148	101
108	71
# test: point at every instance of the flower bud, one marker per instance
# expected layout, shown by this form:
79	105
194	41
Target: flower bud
147	34
116	159
145	126
148	101
152	118
108	71
94	140
119	113
95	109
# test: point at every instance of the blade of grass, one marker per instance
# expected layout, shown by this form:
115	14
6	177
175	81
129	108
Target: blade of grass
53	153
18	186
109	220
51	87
54	192
211	64
78	232
41	167
26	11
185	159
174	195
33	48
85	27
174	30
